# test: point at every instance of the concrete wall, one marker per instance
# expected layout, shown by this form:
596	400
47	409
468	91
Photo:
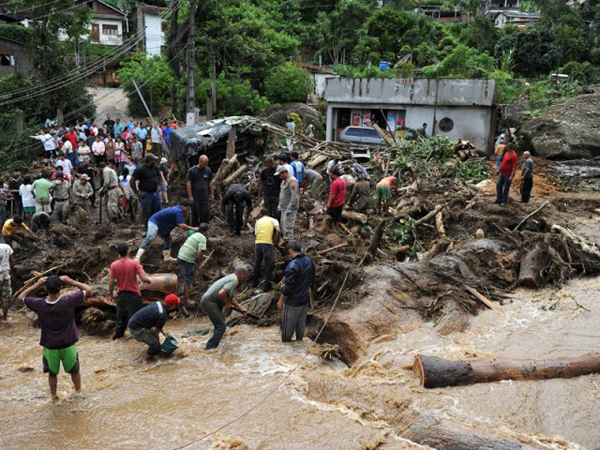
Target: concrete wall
320	80
18	58
472	123
393	91
155	38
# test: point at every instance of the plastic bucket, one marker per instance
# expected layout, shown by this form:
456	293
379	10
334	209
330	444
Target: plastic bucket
384	65
169	345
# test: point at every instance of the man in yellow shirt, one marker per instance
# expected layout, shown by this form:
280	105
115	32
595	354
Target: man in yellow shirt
267	236
11	231
499	152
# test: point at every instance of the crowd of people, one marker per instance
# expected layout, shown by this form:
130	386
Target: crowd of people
506	168
139	176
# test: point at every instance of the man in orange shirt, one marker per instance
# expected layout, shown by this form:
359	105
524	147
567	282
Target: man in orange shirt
384	193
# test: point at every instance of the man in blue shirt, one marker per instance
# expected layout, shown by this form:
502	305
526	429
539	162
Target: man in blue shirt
118	128
142	133
299	276
298	167
167	133
163	222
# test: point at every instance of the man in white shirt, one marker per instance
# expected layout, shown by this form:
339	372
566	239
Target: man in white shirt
64	163
155	137
7	266
48	140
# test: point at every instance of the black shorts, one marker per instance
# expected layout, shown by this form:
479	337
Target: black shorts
336	213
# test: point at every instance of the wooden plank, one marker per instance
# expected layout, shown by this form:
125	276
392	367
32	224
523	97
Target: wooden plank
483	299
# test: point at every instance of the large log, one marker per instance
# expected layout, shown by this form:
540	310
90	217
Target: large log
532	265
316	161
357	217
435	372
226	167
235	175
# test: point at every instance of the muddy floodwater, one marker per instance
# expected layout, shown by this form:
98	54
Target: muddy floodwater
129	404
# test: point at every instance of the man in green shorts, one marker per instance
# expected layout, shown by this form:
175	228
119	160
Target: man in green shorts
384	193
57	320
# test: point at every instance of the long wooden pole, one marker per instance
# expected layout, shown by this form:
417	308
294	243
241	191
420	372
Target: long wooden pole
435	372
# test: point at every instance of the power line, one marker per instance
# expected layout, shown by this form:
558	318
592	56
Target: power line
75	76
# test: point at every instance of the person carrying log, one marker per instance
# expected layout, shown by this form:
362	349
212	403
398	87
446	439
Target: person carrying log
221	295
146	324
126	271
506	172
526	178
191	255
384	193
337	199
163	222
235	201
267	237
7	268
56	314
269	187
289	202
200	190
294	299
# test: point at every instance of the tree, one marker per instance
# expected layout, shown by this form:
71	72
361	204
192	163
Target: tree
235	96
153	76
462	62
481	34
288	83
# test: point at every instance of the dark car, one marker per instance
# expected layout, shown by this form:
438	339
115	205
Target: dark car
361	135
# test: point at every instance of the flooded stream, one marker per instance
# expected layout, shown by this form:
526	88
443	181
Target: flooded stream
129	403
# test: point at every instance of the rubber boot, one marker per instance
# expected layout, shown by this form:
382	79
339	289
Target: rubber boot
167	256
139	254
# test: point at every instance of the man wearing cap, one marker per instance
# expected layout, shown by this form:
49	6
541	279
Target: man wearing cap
60	190
237	198
163	222
56	314
126	271
144	183
288	202
221	295
112	187
191	254
148	322
201	190
164	170
82	193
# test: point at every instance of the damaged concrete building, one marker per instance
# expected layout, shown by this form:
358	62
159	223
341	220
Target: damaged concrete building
456	108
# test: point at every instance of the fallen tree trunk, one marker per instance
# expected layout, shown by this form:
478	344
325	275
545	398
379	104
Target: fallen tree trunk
435	372
226	167
357	217
376	239
318	160
532	265
235	175
429	216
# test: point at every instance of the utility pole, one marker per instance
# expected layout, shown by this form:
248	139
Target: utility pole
191	98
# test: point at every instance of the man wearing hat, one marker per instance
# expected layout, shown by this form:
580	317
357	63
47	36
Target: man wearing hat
237	198
148	322
164	169
112	188
61	191
288	202
82	193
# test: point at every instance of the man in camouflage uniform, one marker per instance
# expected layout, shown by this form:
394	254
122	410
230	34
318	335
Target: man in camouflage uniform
60	190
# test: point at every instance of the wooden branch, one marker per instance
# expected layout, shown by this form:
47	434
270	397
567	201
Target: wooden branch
33	280
376	239
435	372
528	216
323	252
429	215
357	217
235	175
482	298
439	223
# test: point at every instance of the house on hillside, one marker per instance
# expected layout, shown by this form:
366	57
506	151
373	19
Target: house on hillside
153	28
458	109
494	7
437	13
14	58
516	18
319	75
109	24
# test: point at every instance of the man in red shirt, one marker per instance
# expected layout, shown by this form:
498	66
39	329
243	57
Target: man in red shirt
337	198
126	272
507	174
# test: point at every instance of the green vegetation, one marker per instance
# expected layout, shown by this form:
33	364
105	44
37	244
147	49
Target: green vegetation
288	83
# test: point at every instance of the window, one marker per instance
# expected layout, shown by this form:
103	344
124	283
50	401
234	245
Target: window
163	26
353	132
370	133
446	125
111	30
7	60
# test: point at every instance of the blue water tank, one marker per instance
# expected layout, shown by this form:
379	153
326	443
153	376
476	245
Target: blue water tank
384	65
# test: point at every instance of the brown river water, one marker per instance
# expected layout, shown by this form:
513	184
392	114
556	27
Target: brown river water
128	403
